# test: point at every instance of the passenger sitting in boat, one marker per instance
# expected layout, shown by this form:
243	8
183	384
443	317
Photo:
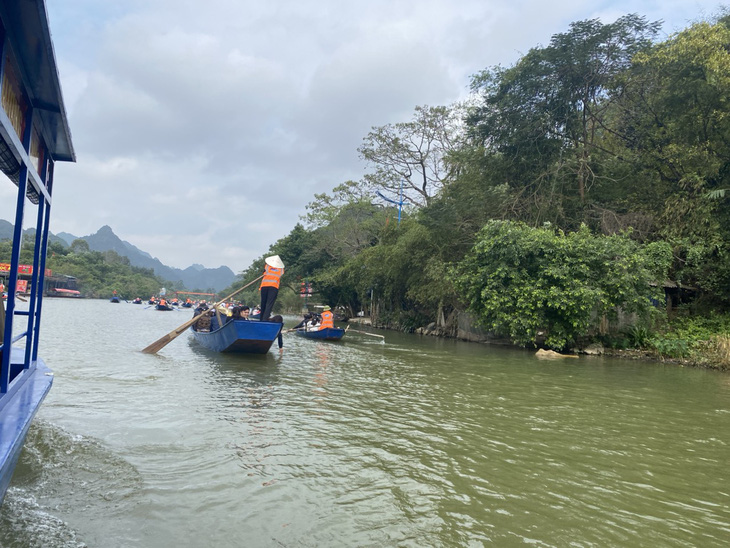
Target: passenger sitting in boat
203	323
239	313
307	318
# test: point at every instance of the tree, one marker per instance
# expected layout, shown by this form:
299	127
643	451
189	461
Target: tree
80	246
521	281
412	154
545	117
675	122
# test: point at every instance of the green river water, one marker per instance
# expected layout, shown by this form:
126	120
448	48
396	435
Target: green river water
417	442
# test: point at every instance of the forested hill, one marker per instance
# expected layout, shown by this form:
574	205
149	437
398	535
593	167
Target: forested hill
104	239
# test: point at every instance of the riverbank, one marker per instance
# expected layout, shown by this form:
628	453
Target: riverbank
711	352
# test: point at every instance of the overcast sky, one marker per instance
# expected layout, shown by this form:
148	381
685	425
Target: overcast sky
203	128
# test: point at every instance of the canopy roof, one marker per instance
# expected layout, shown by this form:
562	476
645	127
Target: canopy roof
26	25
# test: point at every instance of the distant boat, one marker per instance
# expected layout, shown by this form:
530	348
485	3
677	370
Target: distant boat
326	334
62	292
114	299
241	336
137	301
163	307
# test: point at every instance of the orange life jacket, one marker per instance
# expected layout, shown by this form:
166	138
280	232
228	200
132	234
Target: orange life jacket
328	319
272	277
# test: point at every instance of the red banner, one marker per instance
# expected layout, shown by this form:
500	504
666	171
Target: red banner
22	286
25	269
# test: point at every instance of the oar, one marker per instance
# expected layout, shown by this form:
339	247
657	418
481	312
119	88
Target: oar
160	343
366	333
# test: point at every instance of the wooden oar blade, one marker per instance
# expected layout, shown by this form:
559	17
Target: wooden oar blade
369	334
158	345
162	342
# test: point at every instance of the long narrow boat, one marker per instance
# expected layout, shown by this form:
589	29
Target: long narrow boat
326	334
34	135
242	336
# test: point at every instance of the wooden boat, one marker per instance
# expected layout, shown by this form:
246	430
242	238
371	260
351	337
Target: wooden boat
326	334
242	336
61	292
34	136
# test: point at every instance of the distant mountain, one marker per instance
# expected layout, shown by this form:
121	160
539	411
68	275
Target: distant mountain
193	277
66	237
6	232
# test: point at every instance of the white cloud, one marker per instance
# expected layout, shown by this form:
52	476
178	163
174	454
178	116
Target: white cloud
203	130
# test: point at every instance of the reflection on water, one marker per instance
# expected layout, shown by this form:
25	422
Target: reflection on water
417	442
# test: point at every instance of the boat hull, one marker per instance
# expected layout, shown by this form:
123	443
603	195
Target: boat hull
17	409
326	334
240	336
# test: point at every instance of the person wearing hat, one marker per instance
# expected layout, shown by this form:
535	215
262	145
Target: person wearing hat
328	318
273	270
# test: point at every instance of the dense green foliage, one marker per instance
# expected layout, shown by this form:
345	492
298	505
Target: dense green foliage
539	283
98	274
617	141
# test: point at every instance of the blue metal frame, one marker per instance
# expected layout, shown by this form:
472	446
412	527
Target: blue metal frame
24	378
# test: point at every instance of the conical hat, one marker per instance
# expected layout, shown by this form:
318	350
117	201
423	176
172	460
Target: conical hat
274	261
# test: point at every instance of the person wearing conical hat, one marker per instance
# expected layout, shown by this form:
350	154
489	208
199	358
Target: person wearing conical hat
273	270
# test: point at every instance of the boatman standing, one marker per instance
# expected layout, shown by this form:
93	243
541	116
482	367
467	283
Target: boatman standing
269	287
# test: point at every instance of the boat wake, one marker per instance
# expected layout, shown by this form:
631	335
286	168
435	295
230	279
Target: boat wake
63	479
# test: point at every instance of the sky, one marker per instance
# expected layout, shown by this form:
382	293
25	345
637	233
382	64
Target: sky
202	129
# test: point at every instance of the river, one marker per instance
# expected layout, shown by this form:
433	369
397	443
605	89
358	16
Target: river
415	442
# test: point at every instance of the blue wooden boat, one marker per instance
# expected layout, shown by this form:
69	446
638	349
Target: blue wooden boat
34	135
326	334
242	336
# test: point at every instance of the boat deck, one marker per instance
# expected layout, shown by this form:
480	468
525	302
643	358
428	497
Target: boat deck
18	406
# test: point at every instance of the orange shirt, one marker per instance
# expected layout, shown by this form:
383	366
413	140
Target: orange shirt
328	319
272	277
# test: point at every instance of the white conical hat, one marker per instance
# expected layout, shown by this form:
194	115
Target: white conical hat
274	261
